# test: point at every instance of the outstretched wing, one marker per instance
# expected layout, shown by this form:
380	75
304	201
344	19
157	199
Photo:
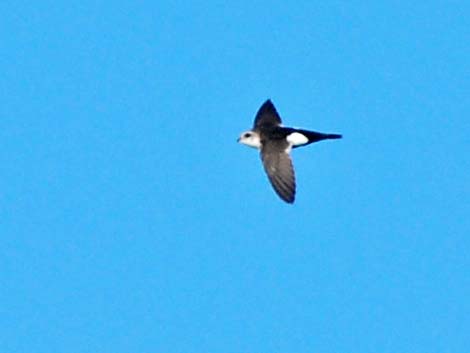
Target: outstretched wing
267	116
278	166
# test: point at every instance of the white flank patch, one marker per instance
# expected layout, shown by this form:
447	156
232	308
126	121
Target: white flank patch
296	139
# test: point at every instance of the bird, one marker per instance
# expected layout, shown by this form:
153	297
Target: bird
275	143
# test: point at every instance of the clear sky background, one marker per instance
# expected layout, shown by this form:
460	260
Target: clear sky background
132	221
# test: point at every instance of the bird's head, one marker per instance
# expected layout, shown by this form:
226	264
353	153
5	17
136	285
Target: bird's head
250	138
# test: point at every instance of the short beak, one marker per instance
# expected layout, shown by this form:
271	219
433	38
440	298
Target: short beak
238	139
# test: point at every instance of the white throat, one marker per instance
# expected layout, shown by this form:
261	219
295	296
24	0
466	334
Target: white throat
250	139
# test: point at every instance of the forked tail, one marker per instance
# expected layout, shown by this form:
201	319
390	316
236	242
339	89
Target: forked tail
333	136
314	136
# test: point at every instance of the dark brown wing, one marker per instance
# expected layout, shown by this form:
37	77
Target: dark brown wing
267	116
278	166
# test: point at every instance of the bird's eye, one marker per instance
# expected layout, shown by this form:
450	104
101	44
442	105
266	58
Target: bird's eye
247	135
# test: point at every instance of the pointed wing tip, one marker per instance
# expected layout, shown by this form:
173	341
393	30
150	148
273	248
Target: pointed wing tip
286	195
267	115
290	201
268	104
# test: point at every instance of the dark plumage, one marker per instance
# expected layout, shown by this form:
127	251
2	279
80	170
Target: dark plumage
275	143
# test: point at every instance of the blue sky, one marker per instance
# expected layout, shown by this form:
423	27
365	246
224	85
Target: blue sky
131	220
